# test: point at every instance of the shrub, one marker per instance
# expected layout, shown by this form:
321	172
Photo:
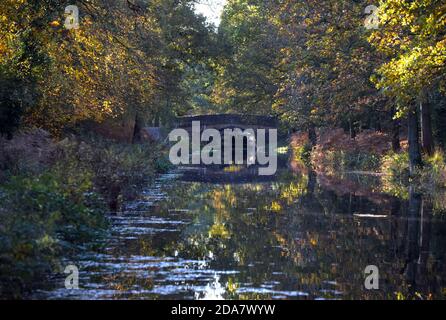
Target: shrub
163	164
336	161
302	153
41	216
54	196
396	165
433	173
117	170
28	152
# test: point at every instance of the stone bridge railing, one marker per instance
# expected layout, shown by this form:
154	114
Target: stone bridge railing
221	121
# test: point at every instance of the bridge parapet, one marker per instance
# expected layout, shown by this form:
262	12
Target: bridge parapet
228	120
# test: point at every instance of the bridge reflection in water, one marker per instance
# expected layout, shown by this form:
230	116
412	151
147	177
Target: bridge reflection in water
232	174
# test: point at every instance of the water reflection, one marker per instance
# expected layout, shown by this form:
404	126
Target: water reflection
296	236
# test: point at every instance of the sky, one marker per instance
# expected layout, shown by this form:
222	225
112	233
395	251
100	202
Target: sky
211	9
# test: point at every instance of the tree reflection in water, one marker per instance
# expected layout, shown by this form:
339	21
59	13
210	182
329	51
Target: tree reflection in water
294	236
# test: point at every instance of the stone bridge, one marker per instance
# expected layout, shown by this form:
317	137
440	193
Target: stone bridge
228	121
213	121
221	122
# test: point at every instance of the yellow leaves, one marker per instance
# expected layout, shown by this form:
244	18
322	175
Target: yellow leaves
218	230
89	76
280	239
400	296
232	285
3	49
85	75
3	19
413	70
294	191
313	242
286	51
233	168
411	31
275	207
106	107
55	23
283	150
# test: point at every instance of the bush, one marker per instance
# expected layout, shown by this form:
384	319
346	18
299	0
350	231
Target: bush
433	173
30	151
396	165
336	161
54	198
360	161
117	170
41	216
302	153
163	164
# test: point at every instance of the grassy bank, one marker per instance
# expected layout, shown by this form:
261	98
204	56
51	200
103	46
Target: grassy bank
55	196
336	153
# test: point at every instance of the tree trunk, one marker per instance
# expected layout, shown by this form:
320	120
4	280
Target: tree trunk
137	129
426	126
396	124
312	181
378	125
351	128
414	142
312	135
156	122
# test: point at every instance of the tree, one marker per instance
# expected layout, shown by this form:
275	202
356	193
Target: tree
412	35
327	65
127	57
246	73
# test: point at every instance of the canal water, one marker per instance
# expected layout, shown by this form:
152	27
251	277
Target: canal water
200	234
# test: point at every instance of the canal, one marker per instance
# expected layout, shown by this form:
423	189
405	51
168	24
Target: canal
197	234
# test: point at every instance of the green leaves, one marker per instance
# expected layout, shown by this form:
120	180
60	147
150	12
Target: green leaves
39	216
414	32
